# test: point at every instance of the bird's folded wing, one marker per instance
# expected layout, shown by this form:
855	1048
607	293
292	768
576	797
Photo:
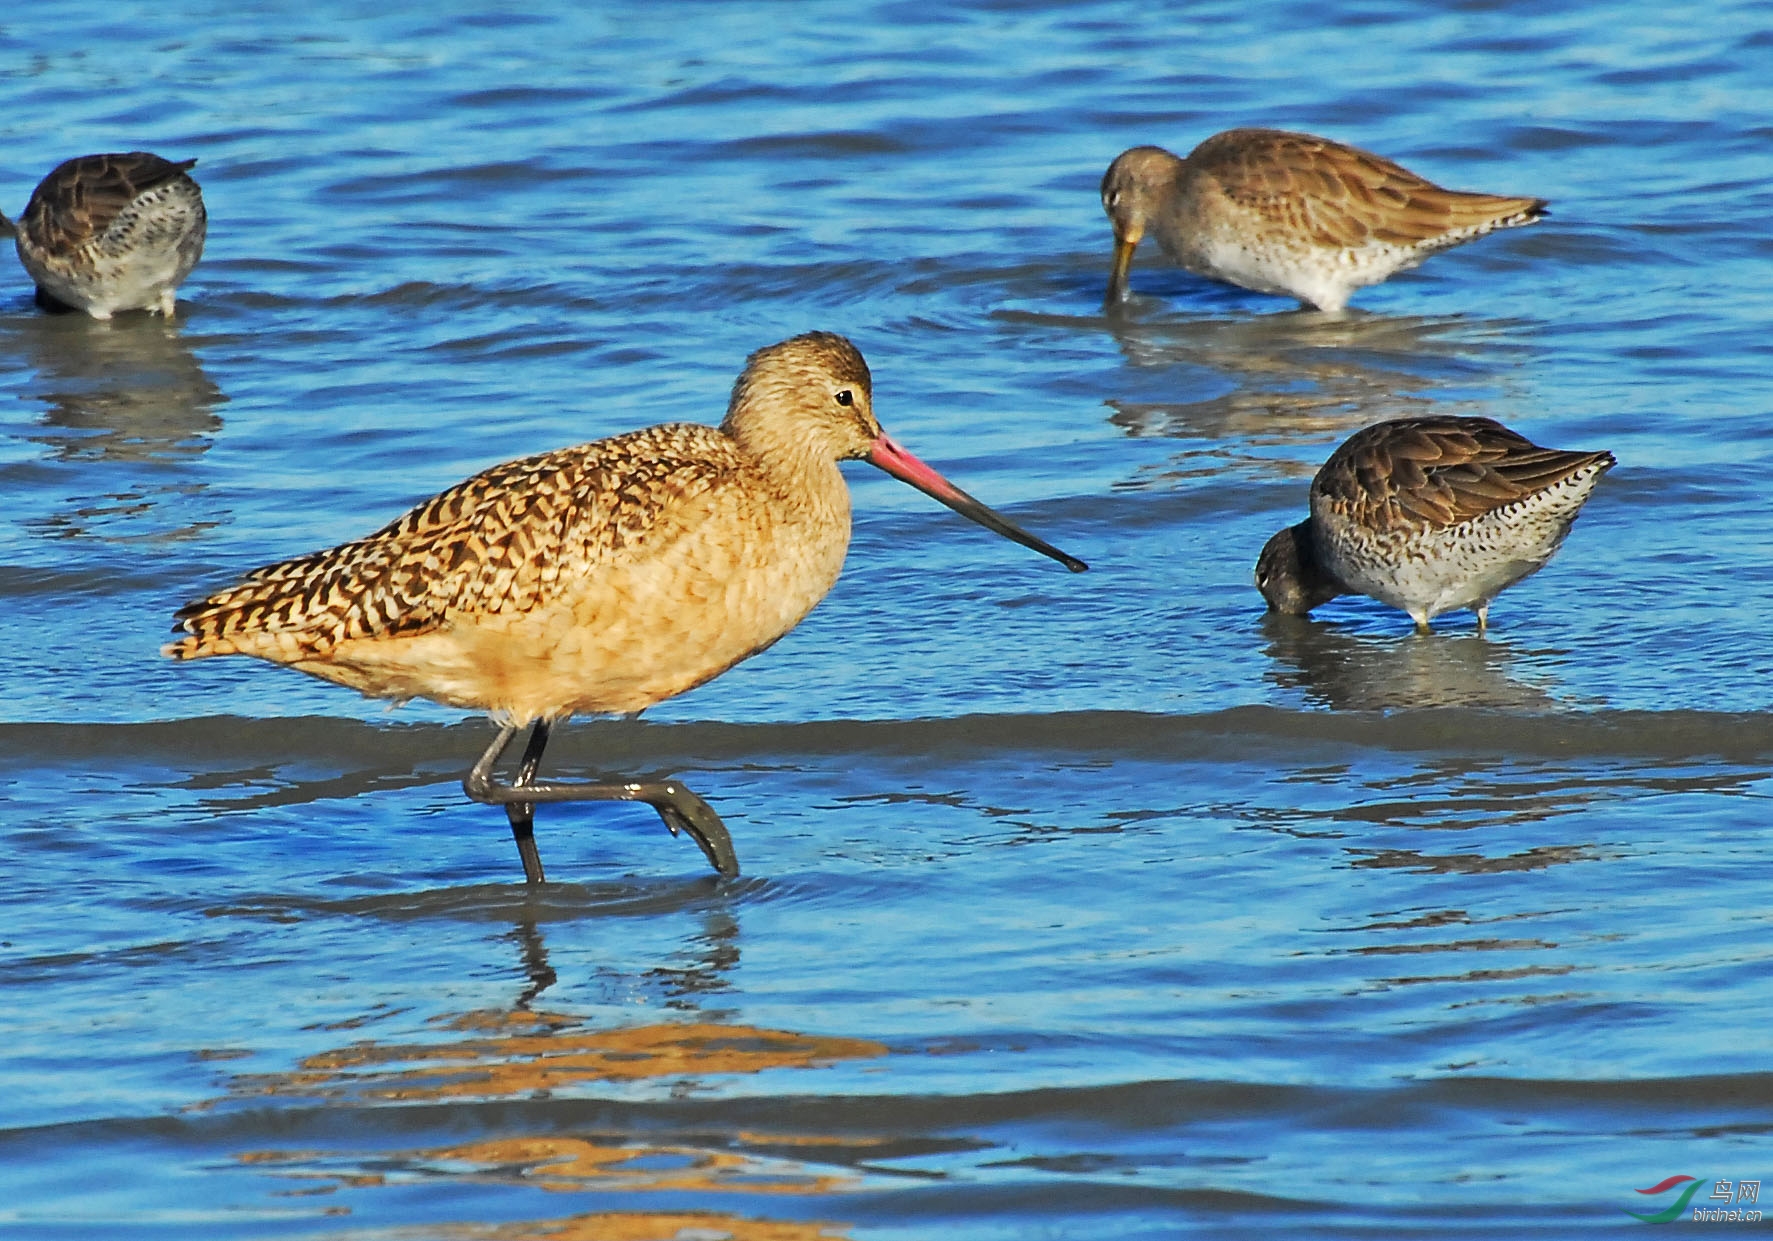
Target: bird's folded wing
1439	472
496	542
80	199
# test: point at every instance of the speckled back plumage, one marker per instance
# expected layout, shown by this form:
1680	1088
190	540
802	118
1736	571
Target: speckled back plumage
1340	197
104	233
492	544
1430	515
1295	214
1419	474
600	578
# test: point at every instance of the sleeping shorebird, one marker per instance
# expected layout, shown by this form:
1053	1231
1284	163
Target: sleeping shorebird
104	233
1429	515
1288	213
598	579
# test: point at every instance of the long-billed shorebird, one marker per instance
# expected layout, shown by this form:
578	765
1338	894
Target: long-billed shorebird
1290	213
597	579
1429	515
104	233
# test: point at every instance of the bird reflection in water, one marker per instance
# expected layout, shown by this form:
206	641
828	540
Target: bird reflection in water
1291	381
1384	672
526	1053
633	1226
715	954
123	403
526	1057
535	964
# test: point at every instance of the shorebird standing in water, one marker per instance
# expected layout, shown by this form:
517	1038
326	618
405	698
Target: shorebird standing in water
1291	214
598	579
1429	515
104	233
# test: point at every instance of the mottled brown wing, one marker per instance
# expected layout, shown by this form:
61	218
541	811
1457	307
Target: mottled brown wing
496	542
1342	196
1439	472
82	197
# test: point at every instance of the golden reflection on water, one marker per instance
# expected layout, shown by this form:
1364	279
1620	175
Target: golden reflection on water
524	1053
559	1163
624	1226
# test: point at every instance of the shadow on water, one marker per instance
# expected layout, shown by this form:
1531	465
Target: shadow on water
1350	672
705	894
127	395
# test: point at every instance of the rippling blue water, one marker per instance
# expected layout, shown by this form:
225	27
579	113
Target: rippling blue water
1095	906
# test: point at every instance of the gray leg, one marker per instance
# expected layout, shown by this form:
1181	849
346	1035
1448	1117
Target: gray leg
680	809
523	813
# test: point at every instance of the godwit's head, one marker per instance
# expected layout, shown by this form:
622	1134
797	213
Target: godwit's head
812	397
1289	574
808	397
1134	189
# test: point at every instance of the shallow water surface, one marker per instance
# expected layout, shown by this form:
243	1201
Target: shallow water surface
1097	906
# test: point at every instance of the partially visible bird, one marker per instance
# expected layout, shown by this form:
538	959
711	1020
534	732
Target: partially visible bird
1429	515
597	579
1291	214
104	233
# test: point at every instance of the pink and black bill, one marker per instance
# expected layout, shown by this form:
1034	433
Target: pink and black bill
903	466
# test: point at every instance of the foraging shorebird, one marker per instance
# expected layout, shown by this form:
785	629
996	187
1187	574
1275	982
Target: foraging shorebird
104	233
1290	213
598	579
1429	515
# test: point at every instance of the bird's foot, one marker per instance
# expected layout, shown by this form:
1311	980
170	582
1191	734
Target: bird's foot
683	811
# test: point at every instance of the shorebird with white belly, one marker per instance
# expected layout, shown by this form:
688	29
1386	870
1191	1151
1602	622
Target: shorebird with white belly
1429	515
1289	213
599	579
104	233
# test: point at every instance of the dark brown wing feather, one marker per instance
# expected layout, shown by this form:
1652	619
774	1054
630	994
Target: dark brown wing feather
82	197
1342	196
493	543
1439	472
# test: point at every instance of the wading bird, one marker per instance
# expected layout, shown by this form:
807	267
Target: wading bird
104	233
598	579
1429	515
1289	213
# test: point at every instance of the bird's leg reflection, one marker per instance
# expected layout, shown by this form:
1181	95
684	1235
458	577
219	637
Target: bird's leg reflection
535	963
714	954
680	809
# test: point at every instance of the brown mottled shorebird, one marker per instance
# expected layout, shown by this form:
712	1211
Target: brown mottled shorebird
598	579
104	233
1429	515
1290	213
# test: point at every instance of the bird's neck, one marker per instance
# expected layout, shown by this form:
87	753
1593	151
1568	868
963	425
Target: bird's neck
1316	580
800	469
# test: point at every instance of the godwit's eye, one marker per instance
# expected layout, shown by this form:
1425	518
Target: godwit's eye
846	397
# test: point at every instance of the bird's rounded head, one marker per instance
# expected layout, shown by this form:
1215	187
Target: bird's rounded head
807	395
1289	575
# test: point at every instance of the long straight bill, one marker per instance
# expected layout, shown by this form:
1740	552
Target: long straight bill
1117	274
907	468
